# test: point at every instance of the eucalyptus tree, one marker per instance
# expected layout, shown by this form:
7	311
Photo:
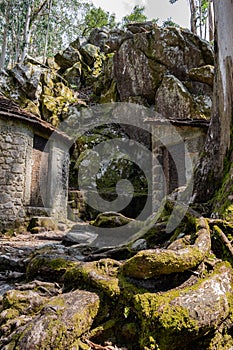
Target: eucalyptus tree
201	16
40	28
18	18
33	11
5	24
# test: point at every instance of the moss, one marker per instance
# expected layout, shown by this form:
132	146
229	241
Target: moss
55	102
221	202
99	275
221	251
111	219
55	336
111	95
9	314
169	324
79	345
102	332
48	267
147	264
22	302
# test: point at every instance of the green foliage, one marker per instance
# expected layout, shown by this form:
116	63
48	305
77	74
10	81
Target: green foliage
137	15
96	17
169	23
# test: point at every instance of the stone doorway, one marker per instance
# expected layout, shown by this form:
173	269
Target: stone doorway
174	171
40	173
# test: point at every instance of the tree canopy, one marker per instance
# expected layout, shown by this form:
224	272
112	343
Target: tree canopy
137	15
42	27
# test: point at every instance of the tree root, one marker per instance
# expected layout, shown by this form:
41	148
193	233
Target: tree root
223	238
152	262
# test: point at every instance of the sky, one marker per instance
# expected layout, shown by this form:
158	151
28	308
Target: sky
179	12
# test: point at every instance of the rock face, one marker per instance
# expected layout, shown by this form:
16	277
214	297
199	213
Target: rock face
141	62
116	65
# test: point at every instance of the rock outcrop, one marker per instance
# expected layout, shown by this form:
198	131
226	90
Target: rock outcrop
117	65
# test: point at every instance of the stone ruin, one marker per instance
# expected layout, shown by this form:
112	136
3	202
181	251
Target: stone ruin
34	172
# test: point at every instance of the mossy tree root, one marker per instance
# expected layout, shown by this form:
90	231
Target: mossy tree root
152	262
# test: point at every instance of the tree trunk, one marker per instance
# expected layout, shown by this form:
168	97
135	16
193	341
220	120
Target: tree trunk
4	48
211	20
47	31
200	17
219	142
27	32
5	37
193	18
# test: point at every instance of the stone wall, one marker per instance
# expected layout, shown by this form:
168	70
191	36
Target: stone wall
16	141
175	170
33	179
58	172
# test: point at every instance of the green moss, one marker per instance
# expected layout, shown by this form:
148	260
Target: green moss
111	94
22	302
55	102
158	317
99	275
164	327
222	201
49	267
10	313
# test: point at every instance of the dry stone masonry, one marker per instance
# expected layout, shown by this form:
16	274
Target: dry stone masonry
34	172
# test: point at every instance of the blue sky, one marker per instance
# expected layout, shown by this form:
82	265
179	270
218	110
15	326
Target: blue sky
154	8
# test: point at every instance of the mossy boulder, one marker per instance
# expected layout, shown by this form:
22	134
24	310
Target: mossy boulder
18	307
73	75
90	53
174	101
111	219
55	102
135	73
43	222
28	76
204	74
108	40
67	58
142	61
99	275
49	266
